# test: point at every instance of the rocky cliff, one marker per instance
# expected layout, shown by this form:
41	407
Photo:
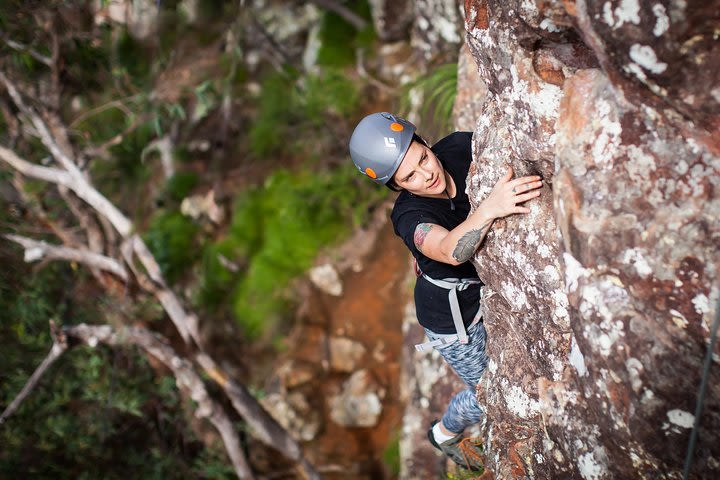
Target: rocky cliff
601	299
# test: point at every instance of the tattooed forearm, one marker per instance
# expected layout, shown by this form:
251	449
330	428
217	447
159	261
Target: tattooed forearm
469	242
421	232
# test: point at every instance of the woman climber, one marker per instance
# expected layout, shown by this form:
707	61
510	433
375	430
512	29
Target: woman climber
432	216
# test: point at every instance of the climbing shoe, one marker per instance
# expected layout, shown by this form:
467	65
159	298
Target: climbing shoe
466	452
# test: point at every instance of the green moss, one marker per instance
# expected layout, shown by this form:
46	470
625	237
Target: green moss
276	232
171	239
391	454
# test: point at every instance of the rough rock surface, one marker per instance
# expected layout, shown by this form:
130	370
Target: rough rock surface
326	278
360	402
600	299
345	354
294	413
437	27
471	92
391	19
427	384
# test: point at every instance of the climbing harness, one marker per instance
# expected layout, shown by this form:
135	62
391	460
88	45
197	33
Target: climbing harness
453	285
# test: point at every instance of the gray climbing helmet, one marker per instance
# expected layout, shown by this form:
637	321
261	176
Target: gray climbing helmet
379	143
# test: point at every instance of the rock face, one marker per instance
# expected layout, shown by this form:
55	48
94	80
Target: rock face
601	299
360	402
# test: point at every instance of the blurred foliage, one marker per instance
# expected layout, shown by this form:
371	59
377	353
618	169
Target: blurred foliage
339	39
179	186
391	454
97	413
293	109
438	89
102	413
171	237
275	234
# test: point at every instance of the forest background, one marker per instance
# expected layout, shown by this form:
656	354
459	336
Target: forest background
220	130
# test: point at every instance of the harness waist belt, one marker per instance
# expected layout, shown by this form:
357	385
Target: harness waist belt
453	285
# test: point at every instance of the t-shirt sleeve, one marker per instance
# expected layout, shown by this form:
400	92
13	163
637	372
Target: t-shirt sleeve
406	223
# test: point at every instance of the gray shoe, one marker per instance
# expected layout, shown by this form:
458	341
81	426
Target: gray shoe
466	452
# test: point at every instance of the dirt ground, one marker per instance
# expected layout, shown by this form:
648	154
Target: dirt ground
370	312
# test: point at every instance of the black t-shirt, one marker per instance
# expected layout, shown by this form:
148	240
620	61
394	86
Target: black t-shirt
431	301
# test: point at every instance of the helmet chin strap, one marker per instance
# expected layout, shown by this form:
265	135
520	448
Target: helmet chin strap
452	205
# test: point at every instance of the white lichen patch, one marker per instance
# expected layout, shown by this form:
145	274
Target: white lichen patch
628	11
576	358
635	257
679	319
548	25
602	298
544	250
701	304
531	238
608	139
552	274
647	396
519	403
645	56
492	367
544	102
681	418
590	468
639	164
561	316
634	368
573	272
514	296
662	24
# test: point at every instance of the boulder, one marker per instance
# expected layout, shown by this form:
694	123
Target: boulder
294	413
326	278
359	404
345	354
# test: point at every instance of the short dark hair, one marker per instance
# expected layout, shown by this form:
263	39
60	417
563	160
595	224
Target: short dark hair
392	185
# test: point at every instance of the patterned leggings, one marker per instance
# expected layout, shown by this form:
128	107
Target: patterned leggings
469	362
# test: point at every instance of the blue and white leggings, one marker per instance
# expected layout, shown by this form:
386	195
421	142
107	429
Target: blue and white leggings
469	362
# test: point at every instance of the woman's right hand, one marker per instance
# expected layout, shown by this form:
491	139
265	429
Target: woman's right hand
508	193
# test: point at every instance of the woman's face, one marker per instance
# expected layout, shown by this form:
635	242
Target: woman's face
420	172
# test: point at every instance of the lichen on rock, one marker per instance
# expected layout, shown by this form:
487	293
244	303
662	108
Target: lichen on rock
598	302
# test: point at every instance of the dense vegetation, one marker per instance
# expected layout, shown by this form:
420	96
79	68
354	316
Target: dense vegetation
100	413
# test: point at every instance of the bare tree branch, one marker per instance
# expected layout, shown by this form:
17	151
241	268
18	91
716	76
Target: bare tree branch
41	128
36	250
32	52
348	15
187	380
164	147
186	377
49	174
58	347
91	228
267	429
364	74
102	150
151	279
